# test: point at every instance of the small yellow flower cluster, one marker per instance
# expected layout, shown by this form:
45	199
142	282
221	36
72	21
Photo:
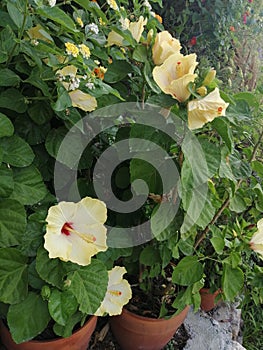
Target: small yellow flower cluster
84	50
79	21
73	50
101	22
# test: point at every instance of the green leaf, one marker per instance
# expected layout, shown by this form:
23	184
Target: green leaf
258	167
68	155
140	53
14	100
240	168
16	10
224	130
51	270
6	181
6	126
93	8
63	101
28	318
33	236
237	203
249	97
89	285
143	170
147	73
12	222
36	79
29	131
188	271
232	281
8	77
196	202
217	240
225	169
40	112
66	331
61	306
58	16
29	186
34	279
117	71
212	156
16	151
163	224
13	276
54	139
186	245
8	44
150	256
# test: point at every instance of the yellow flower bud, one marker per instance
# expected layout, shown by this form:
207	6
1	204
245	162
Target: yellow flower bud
149	36
209	77
202	90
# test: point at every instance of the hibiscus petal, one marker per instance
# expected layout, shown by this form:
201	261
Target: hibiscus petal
136	28
114	39
58	246
164	46
84	101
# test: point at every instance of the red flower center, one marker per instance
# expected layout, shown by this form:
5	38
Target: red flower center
66	228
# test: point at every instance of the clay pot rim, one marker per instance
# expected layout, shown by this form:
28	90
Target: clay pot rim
207	291
150	319
59	339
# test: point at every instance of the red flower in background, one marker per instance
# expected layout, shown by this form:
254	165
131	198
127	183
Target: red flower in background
245	18
232	28
250	1
193	41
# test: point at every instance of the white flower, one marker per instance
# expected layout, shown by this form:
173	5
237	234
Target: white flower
92	28
90	86
125	23
113	5
147	5
52	3
73	83
118	293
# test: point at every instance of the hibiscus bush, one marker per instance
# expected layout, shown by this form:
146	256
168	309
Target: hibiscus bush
118	153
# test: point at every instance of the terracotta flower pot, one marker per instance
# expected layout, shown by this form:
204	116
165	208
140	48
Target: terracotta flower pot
79	340
208	299
134	332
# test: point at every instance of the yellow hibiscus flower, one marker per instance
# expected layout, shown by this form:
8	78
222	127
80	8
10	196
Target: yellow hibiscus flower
206	109
164	46
75	231
118	293
174	75
136	29
256	242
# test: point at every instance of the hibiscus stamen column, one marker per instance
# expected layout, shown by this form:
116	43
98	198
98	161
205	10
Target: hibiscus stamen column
67	229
